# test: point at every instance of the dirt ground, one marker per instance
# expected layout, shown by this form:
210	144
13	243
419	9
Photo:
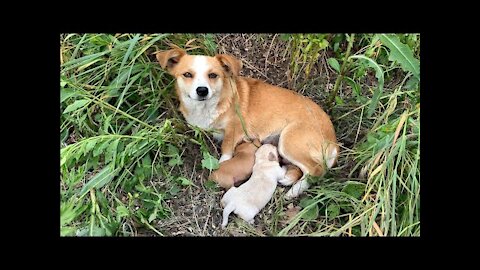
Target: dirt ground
197	210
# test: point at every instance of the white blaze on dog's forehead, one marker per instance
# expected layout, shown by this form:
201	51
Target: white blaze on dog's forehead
200	66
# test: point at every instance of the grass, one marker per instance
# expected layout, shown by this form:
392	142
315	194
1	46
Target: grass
130	165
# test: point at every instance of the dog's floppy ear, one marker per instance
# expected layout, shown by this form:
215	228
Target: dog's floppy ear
272	156
168	59
230	64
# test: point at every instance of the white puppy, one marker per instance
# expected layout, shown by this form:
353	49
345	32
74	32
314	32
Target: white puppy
248	199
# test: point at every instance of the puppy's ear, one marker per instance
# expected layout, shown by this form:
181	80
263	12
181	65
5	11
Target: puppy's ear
168	59
272	157
230	64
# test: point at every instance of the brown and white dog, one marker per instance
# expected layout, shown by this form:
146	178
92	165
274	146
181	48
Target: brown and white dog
209	88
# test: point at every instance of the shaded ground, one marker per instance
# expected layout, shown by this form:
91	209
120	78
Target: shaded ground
197	210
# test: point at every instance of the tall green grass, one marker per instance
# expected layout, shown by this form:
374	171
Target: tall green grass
381	194
123	141
119	130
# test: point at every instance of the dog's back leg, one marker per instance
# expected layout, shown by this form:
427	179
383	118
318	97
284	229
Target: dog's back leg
303	147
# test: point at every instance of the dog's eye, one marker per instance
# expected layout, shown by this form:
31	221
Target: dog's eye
212	75
187	75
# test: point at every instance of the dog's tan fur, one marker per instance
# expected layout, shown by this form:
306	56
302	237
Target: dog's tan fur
307	137
239	168
251	197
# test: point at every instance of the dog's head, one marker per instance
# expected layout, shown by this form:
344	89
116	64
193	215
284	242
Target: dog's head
266	152
199	77
247	147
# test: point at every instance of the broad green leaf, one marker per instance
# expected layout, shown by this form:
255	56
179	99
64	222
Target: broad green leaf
76	105
334	64
339	100
97	151
379	75
335	46
371	139
306	202
172	150
184	181
140	173
323	44
147	161
97	231
311	213
209	162
401	53
99	180
355	190
90	145
67	213
153	215
66	93
122	211
67	231
412	83
111	227
177	160
211	185
83	231
332	211
111	151
285	37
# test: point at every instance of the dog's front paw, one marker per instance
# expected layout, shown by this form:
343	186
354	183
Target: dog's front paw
297	189
224	157
286	181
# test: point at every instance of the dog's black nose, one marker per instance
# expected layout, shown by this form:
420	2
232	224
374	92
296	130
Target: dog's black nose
202	91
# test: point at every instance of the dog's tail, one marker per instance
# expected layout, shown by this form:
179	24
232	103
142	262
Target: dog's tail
226	212
332	155
327	156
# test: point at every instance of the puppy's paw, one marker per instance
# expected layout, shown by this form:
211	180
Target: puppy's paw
224	157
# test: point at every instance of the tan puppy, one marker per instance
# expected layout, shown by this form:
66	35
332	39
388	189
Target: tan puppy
248	199
209	90
237	169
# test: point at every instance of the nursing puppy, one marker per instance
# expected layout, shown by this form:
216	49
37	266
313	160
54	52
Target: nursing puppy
248	199
239	168
210	89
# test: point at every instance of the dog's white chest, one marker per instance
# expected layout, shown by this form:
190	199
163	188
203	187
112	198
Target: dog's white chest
201	114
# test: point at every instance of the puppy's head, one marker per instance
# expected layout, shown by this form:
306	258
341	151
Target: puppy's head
199	77
247	146
266	152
